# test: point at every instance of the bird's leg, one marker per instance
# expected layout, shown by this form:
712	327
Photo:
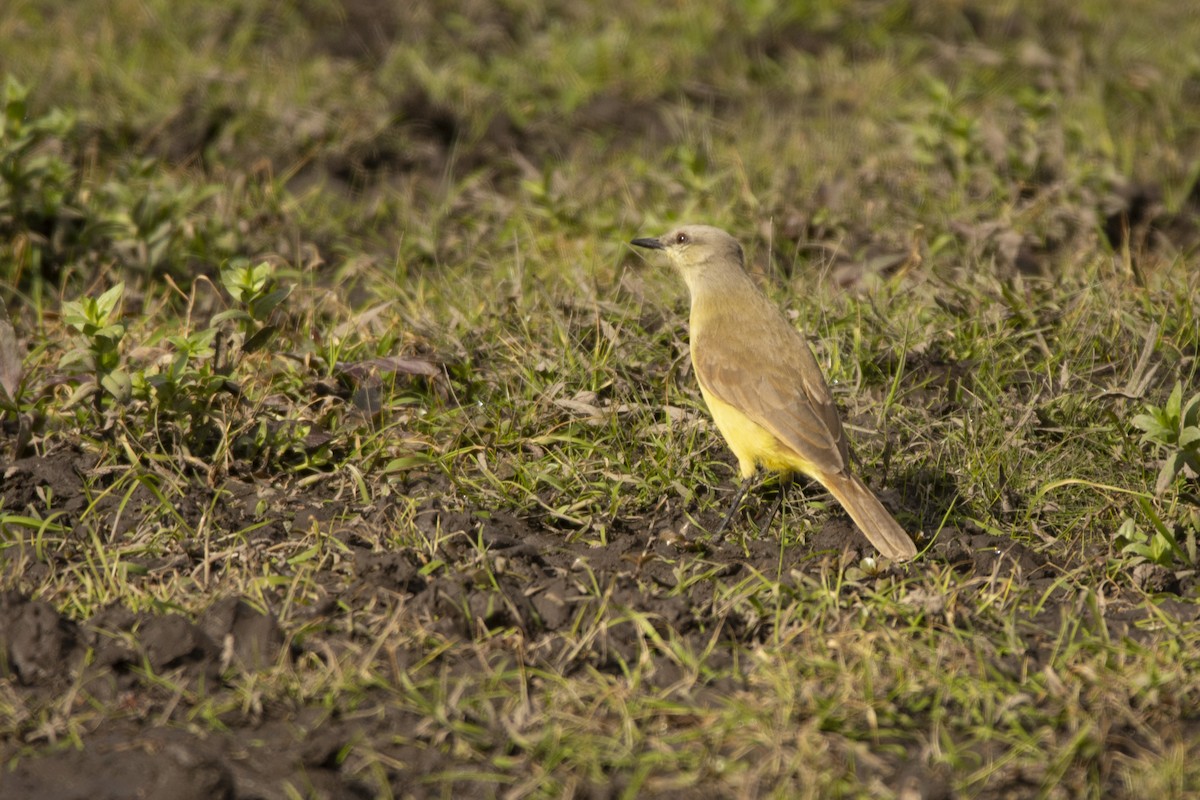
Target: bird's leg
785	483
733	507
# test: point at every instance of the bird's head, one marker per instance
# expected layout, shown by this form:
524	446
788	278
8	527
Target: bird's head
697	251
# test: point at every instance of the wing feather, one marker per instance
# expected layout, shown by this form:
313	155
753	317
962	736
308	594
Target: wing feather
769	373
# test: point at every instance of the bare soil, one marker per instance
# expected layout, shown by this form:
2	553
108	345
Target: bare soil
140	670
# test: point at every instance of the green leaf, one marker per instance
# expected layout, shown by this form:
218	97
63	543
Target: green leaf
305	556
407	462
15	95
1163	540
1191	412
1144	422
1189	437
1161	551
200	340
236	277
1154	430
117	384
1128	532
178	365
260	339
112	333
1171	409
81	393
1138	549
75	315
260	307
234	314
80	355
107	302
1170	468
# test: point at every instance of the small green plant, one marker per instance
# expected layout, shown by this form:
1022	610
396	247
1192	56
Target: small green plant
1174	428
943	132
155	221
55	216
184	395
1161	545
189	382
97	320
259	293
37	191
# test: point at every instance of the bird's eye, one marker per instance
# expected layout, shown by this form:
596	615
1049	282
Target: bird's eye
681	238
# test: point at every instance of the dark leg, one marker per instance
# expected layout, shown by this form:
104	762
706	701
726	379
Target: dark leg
733	507
785	483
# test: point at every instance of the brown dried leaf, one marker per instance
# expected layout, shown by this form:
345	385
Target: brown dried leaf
10	357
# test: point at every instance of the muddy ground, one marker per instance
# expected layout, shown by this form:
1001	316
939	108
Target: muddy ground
517	588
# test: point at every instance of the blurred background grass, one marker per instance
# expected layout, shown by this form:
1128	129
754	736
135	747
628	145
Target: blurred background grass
435	133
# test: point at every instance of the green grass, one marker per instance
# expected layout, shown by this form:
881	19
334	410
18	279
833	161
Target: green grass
455	185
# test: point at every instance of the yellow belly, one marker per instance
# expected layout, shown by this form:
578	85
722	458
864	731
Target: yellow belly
753	444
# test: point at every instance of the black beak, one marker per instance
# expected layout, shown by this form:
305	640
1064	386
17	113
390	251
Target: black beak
652	244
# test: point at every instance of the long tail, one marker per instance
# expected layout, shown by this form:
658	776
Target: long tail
880	527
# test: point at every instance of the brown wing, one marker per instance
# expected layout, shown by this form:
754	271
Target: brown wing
767	371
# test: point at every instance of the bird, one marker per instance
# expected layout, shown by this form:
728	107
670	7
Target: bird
763	386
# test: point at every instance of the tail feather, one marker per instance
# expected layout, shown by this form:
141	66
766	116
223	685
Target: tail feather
880	527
